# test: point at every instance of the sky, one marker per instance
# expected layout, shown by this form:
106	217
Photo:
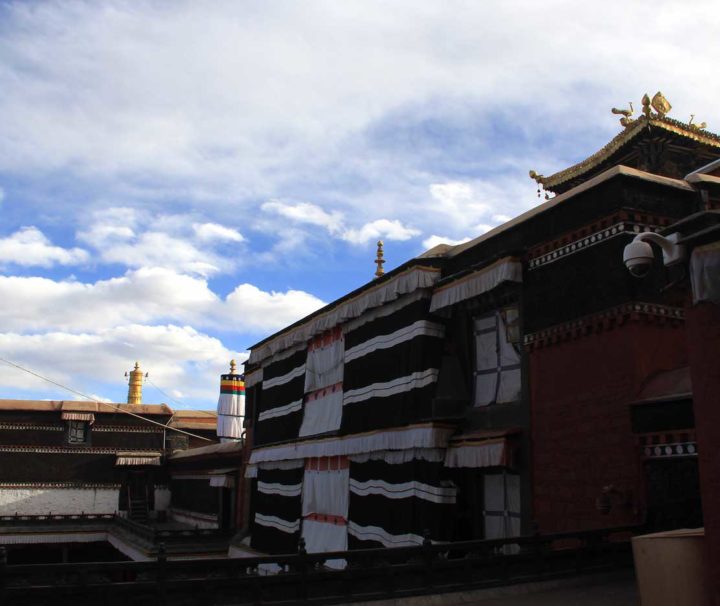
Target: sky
179	180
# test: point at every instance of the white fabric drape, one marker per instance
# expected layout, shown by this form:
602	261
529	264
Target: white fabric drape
490	454
421	327
402	490
386	310
324	536
413	436
324	365
231	404
412	381
476	283
229	427
325	503
326	492
253	378
281	490
394	457
408	281
323	411
286	378
375	533
289	526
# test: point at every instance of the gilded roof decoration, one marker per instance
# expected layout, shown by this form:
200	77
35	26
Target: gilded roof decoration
632	128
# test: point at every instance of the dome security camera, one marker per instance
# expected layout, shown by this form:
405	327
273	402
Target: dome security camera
638	256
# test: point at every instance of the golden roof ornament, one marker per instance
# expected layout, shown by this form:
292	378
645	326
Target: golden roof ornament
135	384
660	104
626	114
653	114
694	126
379	260
233	367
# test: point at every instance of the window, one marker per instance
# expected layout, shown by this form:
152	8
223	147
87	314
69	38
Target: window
77	432
497	357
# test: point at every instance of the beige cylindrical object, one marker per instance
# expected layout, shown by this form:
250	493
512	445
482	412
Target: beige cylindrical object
135	385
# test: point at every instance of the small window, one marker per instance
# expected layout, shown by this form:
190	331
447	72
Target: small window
77	432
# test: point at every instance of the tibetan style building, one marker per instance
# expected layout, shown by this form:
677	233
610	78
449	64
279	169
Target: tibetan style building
73	457
523	381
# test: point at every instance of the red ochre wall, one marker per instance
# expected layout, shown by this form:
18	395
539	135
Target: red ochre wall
580	390
703	333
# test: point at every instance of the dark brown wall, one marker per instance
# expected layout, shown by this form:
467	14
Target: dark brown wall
580	391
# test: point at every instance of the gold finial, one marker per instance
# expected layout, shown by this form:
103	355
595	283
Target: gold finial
135	385
233	367
646	105
694	126
660	104
379	260
540	180
626	114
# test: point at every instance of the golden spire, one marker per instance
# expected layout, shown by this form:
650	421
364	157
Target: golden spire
135	385
233	367
379	260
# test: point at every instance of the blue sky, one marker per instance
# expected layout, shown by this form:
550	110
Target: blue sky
178	180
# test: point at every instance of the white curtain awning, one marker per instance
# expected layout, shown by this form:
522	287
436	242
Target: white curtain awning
489	454
481	449
137	458
78	416
412	436
386	291
483	280
222	481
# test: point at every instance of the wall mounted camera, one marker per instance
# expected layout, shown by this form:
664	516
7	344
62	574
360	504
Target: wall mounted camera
639	256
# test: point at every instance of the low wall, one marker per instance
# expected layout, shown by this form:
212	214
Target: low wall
35	501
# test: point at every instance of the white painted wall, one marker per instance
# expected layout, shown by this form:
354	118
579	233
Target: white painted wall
32	501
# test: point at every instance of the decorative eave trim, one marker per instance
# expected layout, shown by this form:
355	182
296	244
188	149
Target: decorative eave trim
585	242
668	444
606	320
625	220
566	196
65	450
29	427
126	429
622	139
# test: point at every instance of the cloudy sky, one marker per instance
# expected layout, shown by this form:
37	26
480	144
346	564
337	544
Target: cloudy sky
180	179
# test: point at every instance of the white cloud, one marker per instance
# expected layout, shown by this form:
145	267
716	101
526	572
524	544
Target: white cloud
272	99
212	232
251	307
157	249
380	228
304	212
334	223
433	241
177	358
146	296
30	247
136	238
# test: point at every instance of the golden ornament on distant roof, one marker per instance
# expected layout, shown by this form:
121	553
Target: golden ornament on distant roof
379	261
